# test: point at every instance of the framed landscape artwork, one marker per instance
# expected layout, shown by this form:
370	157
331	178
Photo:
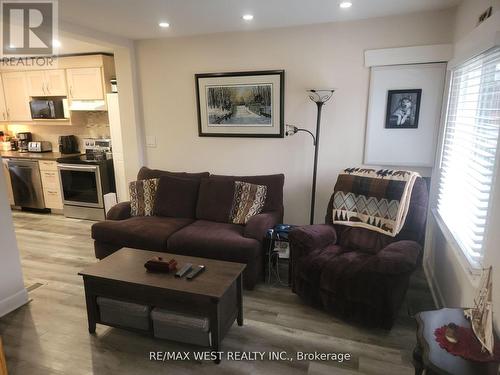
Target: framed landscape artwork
241	104
403	108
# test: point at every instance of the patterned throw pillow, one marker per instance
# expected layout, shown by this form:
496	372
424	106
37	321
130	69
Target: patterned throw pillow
143	196
248	200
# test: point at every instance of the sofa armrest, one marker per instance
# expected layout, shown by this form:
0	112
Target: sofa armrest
258	225
119	211
396	258
305	239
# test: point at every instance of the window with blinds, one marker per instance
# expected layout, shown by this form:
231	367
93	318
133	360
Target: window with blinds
470	143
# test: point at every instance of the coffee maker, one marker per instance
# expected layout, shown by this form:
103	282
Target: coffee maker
24	140
68	144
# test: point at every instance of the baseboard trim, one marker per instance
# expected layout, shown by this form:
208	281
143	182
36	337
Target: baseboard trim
13	302
437	296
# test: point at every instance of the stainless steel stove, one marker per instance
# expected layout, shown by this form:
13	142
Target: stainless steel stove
85	179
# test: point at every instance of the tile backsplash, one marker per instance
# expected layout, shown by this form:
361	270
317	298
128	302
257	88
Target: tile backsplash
85	125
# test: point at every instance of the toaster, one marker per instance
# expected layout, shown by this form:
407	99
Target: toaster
40	146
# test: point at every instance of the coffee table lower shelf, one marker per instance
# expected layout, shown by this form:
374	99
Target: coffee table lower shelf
221	312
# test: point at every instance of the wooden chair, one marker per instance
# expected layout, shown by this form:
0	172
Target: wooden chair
3	363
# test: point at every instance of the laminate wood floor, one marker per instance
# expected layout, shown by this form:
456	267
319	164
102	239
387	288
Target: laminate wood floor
49	335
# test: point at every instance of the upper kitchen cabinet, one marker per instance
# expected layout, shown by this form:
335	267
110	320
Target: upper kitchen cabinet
56	82
47	82
16	96
3	107
36	83
85	83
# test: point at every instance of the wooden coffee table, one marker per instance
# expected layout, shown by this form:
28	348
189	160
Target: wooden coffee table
216	293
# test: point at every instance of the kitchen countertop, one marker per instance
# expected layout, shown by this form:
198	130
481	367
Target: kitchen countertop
35	155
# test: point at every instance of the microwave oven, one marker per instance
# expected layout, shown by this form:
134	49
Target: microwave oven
47	109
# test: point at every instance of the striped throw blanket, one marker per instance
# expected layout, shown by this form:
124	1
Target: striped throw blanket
373	199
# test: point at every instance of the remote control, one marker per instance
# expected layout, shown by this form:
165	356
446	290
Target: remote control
187	267
195	272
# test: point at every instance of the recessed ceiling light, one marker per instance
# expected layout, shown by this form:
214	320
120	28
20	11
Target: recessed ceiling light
56	43
345	4
164	24
247	17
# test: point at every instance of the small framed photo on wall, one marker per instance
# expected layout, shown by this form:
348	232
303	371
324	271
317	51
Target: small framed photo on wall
403	108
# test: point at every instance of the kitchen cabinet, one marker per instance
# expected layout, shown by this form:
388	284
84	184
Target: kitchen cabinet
5	169
50	183
47	82
85	83
3	107
16	96
56	82
36	83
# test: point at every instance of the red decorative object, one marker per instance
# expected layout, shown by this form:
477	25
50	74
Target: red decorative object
468	346
157	264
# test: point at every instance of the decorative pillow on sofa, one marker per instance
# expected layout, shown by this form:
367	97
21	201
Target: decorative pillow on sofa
177	197
215	199
143	197
249	200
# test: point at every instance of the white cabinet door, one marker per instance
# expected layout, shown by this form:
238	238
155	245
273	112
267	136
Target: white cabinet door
36	83
16	96
3	108
55	82
85	84
10	194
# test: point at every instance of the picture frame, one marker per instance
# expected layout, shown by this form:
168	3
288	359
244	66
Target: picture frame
403	109
241	104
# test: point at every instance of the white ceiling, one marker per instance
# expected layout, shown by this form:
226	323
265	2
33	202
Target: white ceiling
138	19
70	45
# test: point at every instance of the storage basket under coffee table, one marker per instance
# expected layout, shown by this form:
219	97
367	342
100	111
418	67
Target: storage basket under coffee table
119	292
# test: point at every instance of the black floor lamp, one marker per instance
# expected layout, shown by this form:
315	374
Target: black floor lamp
320	97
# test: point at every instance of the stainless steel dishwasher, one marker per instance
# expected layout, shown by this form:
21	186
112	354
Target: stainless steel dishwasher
26	183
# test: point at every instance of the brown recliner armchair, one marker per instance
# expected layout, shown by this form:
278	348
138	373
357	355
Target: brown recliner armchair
358	274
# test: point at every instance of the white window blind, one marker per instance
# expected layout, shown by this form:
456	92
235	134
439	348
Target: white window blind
469	151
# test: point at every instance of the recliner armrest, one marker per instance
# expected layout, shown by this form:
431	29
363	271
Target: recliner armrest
396	258
311	237
120	211
258	225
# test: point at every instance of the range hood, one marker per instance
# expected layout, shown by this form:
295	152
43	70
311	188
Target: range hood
88	105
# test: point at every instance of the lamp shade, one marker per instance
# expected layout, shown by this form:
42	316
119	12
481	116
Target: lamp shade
320	95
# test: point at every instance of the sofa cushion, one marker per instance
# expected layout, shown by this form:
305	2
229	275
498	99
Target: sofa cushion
177	197
215	199
146	232
274	183
249	200
147	173
143	197
213	240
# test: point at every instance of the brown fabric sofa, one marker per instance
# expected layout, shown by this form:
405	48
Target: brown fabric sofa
191	218
358	274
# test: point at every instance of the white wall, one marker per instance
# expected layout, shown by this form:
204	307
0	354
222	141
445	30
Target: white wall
319	56
12	291
449	275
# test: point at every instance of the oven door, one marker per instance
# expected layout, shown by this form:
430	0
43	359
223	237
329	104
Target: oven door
81	185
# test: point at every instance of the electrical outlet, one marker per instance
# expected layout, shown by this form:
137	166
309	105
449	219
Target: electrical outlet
151	141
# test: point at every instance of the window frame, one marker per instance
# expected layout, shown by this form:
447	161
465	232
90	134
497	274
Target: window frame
474	267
